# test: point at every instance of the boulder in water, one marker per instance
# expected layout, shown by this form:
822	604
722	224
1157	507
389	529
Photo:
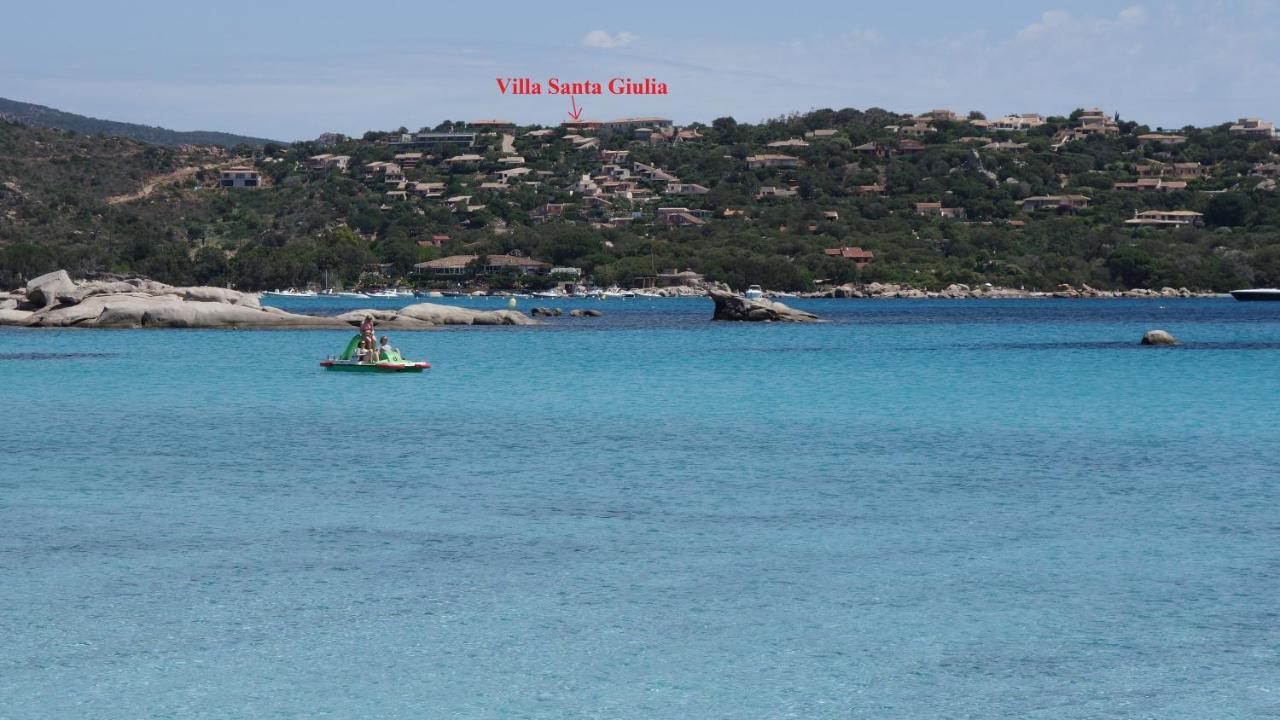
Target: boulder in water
1158	337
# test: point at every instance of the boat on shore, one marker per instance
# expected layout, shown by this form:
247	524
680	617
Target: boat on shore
754	292
291	292
1257	294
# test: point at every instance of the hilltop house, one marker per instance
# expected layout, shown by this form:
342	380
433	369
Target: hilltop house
1025	121
1165	218
683	188
910	147
769	191
1189	170
768	161
1057	203
935	209
318	163
1151	185
434	138
240	177
1163	138
1094	121
1254	129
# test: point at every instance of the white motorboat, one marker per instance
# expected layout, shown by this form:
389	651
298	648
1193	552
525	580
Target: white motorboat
352	295
549	294
384	294
753	292
1256	294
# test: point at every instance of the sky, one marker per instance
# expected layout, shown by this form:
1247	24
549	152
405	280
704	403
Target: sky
290	70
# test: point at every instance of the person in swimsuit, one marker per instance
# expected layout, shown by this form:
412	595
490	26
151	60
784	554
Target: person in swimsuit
368	343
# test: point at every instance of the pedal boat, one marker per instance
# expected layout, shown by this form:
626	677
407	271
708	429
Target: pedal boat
349	361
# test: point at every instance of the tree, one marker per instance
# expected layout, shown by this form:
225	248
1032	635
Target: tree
1131	266
1228	210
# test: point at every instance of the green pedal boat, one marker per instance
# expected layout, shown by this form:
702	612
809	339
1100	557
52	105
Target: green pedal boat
349	361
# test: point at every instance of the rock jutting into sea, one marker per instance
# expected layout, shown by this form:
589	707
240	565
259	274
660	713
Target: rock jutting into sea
54	300
736	307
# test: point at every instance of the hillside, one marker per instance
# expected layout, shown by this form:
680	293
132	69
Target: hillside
41	116
1021	201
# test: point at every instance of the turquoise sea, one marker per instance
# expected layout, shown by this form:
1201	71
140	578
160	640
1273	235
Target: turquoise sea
918	509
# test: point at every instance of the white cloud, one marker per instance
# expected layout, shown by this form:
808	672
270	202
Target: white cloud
602	39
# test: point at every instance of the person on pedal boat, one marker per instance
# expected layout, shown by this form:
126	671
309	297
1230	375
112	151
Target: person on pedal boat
368	343
386	352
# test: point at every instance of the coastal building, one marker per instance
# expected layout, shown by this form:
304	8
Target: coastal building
685	278
240	177
1056	203
859	257
771	161
463	265
822	133
793	142
874	190
1254	129
1166	218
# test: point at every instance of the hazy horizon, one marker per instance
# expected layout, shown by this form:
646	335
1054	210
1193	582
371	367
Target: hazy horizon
293	70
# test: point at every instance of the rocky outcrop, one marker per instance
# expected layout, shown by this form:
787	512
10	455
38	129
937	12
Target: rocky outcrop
1158	337
579	312
546	312
137	303
736	307
44	290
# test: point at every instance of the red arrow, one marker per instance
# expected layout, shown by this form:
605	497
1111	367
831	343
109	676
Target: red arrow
577	111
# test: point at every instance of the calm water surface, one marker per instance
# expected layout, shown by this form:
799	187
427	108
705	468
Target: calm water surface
915	510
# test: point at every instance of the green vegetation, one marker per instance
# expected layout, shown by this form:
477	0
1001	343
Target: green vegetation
309	226
41	116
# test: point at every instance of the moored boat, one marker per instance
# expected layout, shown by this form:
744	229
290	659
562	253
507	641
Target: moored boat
753	293
1256	294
